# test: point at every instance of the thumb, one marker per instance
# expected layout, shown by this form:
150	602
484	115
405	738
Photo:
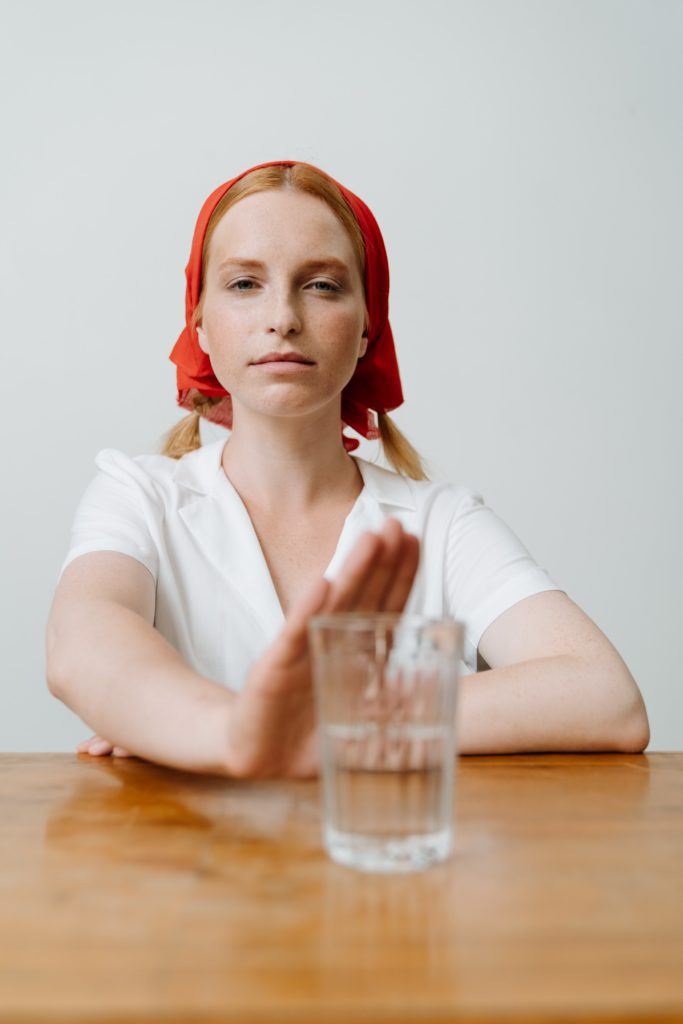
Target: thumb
293	640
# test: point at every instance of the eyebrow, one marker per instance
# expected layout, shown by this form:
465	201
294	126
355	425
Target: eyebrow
322	263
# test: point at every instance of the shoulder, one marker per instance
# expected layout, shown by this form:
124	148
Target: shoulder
148	465
146	474
420	496
156	473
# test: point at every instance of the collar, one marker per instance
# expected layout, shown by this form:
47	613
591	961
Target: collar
200	470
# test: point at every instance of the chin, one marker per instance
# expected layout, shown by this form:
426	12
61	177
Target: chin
284	401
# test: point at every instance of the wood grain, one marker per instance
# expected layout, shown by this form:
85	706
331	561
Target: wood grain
132	892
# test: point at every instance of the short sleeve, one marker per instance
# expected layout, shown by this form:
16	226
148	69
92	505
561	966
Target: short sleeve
117	512
488	570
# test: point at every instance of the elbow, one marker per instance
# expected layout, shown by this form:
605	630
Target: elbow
632	729
54	679
54	683
634	738
615	716
55	676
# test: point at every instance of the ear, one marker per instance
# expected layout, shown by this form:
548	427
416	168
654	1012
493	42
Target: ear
201	335
364	344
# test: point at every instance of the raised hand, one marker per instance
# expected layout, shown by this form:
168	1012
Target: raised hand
272	729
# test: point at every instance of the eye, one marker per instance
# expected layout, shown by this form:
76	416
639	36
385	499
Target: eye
325	286
328	286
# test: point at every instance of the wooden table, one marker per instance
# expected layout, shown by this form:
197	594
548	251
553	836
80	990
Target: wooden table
131	892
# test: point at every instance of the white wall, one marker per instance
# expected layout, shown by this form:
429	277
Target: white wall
524	160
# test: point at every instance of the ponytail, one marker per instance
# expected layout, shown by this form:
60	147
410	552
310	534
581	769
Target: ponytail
398	451
185	436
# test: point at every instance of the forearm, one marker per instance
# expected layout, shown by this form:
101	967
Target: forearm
130	685
550	704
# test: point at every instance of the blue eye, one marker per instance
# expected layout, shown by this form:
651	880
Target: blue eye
328	284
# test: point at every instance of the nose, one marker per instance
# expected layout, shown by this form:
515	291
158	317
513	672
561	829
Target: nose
283	314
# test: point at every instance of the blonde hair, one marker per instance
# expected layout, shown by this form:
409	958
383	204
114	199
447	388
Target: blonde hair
185	436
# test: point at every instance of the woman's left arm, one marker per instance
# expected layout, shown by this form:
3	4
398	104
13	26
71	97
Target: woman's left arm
556	683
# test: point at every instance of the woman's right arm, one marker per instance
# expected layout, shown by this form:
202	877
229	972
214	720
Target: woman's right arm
107	662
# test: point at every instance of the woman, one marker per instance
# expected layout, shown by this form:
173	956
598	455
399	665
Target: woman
193	574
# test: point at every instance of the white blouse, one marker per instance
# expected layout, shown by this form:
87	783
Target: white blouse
215	598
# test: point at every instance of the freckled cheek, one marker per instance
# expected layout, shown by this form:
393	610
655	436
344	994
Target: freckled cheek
228	337
226	325
340	322
339	331
339	352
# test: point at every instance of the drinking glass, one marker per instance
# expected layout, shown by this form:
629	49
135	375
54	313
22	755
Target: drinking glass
385	696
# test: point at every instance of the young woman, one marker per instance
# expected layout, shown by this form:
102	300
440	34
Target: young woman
178	629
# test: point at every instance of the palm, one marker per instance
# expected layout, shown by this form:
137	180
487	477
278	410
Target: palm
273	726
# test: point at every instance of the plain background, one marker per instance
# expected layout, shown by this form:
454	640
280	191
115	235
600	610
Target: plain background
524	161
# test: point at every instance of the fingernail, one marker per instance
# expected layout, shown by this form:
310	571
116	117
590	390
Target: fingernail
99	747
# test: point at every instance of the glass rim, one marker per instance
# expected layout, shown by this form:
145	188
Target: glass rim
371	620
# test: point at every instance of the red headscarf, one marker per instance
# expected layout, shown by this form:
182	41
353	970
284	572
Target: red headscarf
375	384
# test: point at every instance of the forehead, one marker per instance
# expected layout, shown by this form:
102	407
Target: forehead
280	223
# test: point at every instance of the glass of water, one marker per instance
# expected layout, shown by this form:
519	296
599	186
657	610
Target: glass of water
385	692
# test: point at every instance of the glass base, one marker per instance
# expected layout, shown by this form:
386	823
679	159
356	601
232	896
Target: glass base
386	854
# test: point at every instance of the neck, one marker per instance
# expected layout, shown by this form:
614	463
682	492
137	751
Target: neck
286	465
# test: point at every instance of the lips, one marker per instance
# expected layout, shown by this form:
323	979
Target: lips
284	357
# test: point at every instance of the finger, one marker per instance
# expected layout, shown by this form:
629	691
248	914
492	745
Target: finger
401	583
99	747
85	746
369	568
86	743
292	643
120	752
371	590
354	575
